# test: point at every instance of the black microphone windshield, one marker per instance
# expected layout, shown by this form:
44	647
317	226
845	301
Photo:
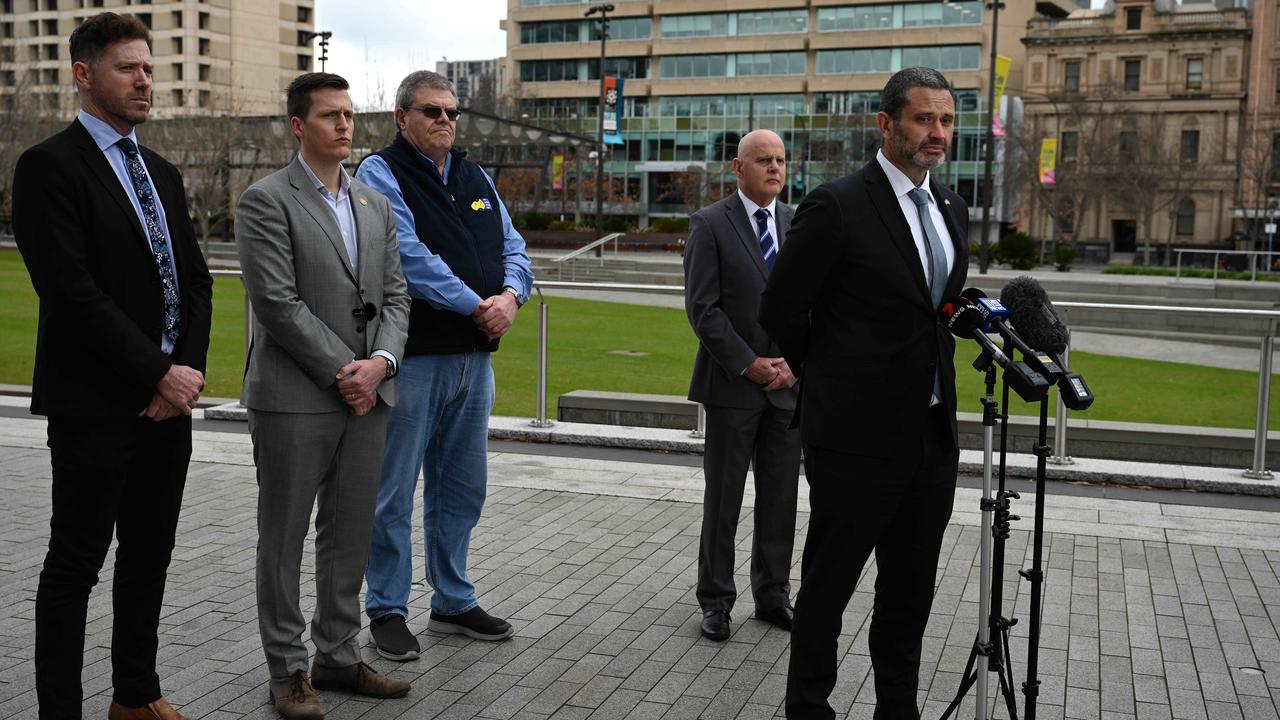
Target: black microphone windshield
1033	315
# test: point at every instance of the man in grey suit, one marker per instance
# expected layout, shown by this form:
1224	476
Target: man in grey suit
746	386
322	270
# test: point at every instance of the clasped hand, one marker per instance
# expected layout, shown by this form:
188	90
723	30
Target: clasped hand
176	393
358	383
772	373
494	315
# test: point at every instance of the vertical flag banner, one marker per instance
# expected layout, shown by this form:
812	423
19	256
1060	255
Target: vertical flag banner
613	110
557	171
1002	78
1048	162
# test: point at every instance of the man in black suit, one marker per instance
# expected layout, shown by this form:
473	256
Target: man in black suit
853	303
125	302
746	386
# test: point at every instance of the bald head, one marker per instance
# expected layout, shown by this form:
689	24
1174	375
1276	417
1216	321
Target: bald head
761	166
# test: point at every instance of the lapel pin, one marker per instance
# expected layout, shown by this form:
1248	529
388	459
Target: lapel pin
363	201
944	201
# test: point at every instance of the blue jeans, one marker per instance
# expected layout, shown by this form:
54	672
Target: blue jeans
439	427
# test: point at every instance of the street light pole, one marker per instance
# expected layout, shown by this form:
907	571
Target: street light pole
988	192
604	9
324	36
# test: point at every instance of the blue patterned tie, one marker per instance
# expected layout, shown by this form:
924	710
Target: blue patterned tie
767	248
155	233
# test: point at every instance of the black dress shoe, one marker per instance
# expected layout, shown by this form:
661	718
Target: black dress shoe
781	616
715	625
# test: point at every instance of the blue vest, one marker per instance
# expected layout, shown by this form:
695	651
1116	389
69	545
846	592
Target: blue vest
461	223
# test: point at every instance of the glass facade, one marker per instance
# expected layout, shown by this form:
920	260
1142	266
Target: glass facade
738	65
574	31
756	22
881	60
890	16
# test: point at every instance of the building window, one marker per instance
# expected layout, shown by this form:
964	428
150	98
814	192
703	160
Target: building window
632	67
50	27
771	22
1071	76
1186	218
145	19
177	71
1132	75
1278	86
177	18
202	21
177	46
51	52
1133	19
869	60
1195	73
304	14
779	63
899	15
1275	157
550	70
874	60
1190	147
304	63
203	48
203	72
176	98
682	26
1128	146
1069	146
6	29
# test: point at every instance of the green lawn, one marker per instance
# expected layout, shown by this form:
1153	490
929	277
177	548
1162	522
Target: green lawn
633	348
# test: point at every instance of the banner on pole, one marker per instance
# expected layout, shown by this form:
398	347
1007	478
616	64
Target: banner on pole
1002	78
613	110
1048	161
557	171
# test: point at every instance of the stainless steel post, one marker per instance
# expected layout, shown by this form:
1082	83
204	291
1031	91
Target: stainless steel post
1259	470
541	419
1060	421
700	426
1177	274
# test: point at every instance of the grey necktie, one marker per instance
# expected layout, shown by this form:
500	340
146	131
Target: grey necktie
937	265
933	247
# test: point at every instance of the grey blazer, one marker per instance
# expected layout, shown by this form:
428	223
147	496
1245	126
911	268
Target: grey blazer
305	293
724	275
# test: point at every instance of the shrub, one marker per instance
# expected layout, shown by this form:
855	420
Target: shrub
1018	250
536	221
1063	257
563	225
671	224
615	224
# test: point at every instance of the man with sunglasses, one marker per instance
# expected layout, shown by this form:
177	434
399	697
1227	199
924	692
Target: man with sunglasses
468	273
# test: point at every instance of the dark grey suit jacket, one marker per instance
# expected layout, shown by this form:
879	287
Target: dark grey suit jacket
725	274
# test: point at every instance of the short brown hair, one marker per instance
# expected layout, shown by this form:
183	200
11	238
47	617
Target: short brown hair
298	96
95	35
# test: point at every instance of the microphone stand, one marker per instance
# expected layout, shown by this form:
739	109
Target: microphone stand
986	655
1031	688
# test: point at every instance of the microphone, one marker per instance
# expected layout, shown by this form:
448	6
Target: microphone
996	319
1032	312
964	319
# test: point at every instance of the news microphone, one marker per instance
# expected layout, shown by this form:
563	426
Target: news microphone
996	319
1032	312
964	319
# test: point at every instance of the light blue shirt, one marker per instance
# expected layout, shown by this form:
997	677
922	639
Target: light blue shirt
427	274
344	214
106	137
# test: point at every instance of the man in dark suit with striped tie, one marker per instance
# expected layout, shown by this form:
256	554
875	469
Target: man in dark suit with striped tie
746	386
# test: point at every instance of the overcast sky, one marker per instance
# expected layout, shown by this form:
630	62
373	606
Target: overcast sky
377	42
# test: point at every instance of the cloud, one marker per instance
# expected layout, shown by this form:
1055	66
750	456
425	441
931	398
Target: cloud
377	42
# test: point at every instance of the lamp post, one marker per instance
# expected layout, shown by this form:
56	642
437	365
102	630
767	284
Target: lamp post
603	9
324	36
988	192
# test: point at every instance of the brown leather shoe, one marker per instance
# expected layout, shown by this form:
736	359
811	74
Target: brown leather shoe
359	679
158	709
294	698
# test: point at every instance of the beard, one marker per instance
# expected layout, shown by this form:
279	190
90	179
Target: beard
916	155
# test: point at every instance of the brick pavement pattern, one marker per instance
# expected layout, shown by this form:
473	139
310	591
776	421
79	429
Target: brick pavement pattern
1151	611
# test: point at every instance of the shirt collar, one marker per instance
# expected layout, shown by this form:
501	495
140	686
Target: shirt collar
448	163
104	136
898	180
344	180
751	206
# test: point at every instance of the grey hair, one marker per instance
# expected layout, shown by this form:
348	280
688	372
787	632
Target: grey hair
894	96
415	81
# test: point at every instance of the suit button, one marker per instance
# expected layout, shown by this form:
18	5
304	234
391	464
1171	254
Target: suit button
359	328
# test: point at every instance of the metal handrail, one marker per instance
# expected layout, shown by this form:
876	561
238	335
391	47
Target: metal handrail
592	246
1253	265
1272	318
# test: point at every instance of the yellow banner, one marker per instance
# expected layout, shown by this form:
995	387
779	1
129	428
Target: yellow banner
557	171
1002	79
1048	162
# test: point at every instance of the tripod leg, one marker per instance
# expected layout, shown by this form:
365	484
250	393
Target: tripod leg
970	676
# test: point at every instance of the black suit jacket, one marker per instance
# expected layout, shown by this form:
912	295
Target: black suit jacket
848	303
101	303
725	274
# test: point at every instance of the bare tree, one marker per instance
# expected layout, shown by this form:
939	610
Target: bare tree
23	123
1259	167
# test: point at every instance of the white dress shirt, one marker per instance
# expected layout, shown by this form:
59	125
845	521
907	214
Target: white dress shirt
902	185
772	207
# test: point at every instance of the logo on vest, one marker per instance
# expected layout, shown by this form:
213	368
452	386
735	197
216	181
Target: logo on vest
481	204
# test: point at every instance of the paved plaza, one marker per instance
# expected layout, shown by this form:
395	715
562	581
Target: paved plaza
1158	607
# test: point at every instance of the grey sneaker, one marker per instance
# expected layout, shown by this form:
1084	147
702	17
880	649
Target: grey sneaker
474	623
392	638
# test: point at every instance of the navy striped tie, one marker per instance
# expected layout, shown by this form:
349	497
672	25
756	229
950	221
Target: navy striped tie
159	245
767	247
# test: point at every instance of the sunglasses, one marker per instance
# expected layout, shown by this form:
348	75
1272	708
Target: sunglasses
433	112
